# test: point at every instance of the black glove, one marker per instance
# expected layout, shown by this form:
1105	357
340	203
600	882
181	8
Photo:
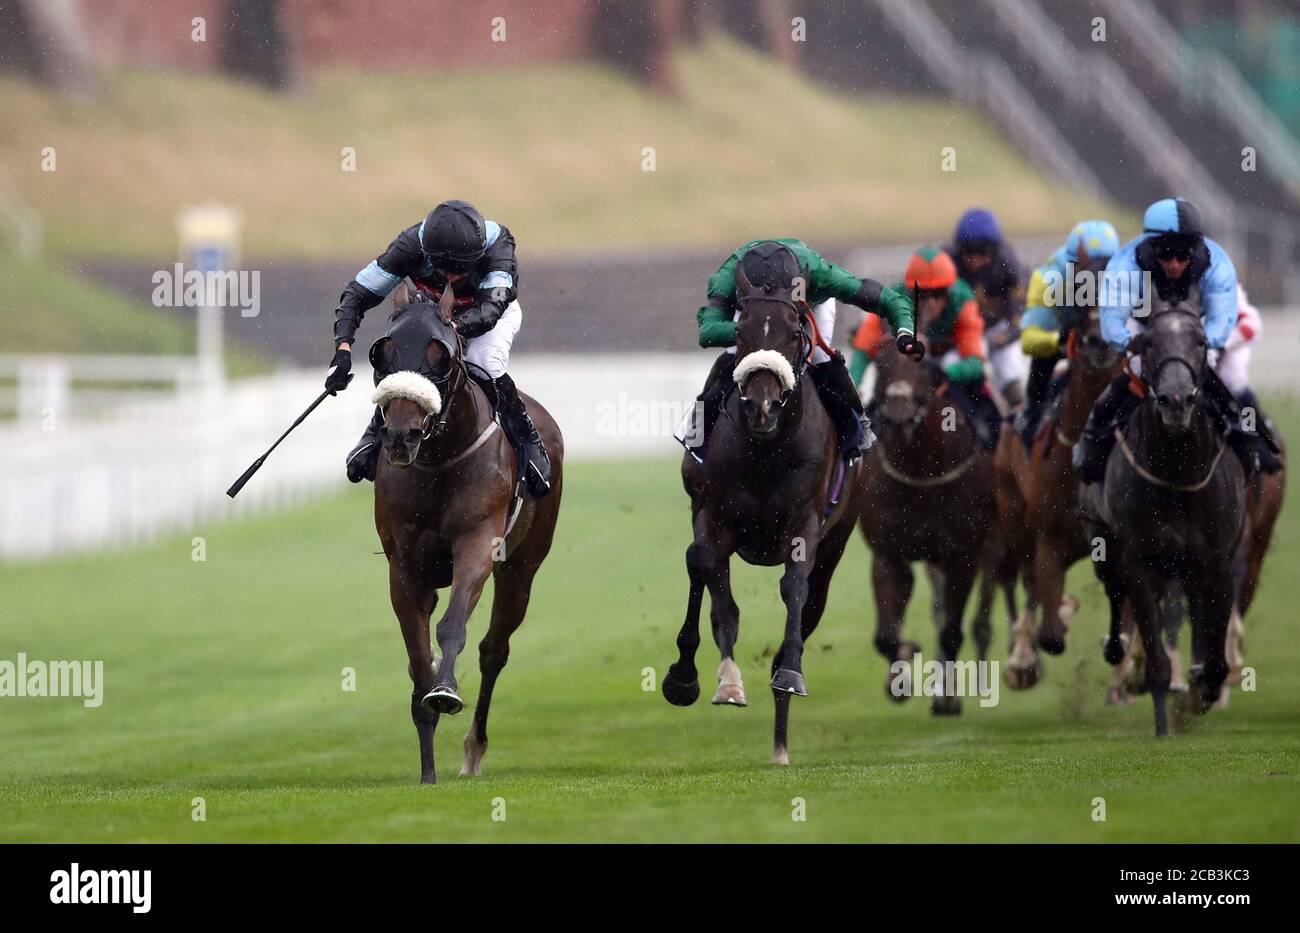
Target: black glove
478	319
339	375
910	347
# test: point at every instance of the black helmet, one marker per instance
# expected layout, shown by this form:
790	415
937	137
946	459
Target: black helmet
768	267
454	236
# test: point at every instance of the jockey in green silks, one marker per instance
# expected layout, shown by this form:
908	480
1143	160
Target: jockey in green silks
776	265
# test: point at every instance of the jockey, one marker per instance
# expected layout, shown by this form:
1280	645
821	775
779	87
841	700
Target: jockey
948	316
774	263
454	247
1182	264
1046	325
986	262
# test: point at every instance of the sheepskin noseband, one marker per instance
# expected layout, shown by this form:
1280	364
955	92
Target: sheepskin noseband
770	360
411	386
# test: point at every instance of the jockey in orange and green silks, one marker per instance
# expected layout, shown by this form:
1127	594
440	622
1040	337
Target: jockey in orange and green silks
948	317
1045	326
777	263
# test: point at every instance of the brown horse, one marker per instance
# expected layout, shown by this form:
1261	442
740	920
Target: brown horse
1038	504
448	514
762	493
930	485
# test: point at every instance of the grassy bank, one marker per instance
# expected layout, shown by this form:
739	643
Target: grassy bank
557	152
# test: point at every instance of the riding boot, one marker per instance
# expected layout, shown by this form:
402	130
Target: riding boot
1269	460
1098	437
364	458
1036	392
840	396
521	431
717	387
1247	448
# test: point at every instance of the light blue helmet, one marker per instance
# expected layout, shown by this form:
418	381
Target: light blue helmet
1095	237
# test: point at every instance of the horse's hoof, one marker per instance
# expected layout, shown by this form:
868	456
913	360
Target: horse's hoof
678	692
780	755
1022	678
1113	651
428	778
785	680
945	706
443	700
1051	642
729	695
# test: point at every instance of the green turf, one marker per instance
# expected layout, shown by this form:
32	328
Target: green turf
223	681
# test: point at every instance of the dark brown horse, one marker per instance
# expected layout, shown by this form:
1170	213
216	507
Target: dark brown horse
448	514
1038	504
762	493
929	483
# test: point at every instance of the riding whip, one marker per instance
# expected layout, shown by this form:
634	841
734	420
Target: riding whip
257	464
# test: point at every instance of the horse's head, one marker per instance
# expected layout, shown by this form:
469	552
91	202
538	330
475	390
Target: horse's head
771	344
904	390
1090	350
1174	351
421	354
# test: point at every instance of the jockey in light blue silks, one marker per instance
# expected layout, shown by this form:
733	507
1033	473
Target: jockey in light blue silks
1049	317
1183	266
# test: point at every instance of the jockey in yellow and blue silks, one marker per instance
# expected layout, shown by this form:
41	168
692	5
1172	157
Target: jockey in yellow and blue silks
1046	323
1181	264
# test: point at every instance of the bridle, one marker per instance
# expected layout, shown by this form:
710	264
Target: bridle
806	343
1150	377
449	386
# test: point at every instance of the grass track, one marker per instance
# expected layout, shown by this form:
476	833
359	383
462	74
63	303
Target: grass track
223	681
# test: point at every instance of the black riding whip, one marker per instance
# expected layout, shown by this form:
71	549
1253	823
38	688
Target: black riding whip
257	464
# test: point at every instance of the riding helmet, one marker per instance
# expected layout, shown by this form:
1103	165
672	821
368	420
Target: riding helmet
1095	237
454	236
977	225
1173	219
929	269
770	267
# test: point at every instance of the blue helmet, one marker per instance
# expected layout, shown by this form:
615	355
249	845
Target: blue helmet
1096	237
1173	215
976	225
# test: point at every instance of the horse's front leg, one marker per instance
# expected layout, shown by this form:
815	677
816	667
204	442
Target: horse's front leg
412	604
1210	605
787	665
724	615
471	557
958	580
681	684
1141	592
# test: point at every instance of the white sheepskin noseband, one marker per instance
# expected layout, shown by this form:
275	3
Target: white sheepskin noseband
771	361
411	386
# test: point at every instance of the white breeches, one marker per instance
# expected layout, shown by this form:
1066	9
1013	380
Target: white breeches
824	315
1009	365
492	350
1234	368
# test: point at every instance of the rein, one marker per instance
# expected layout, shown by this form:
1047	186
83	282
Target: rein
923	482
492	427
1163	483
